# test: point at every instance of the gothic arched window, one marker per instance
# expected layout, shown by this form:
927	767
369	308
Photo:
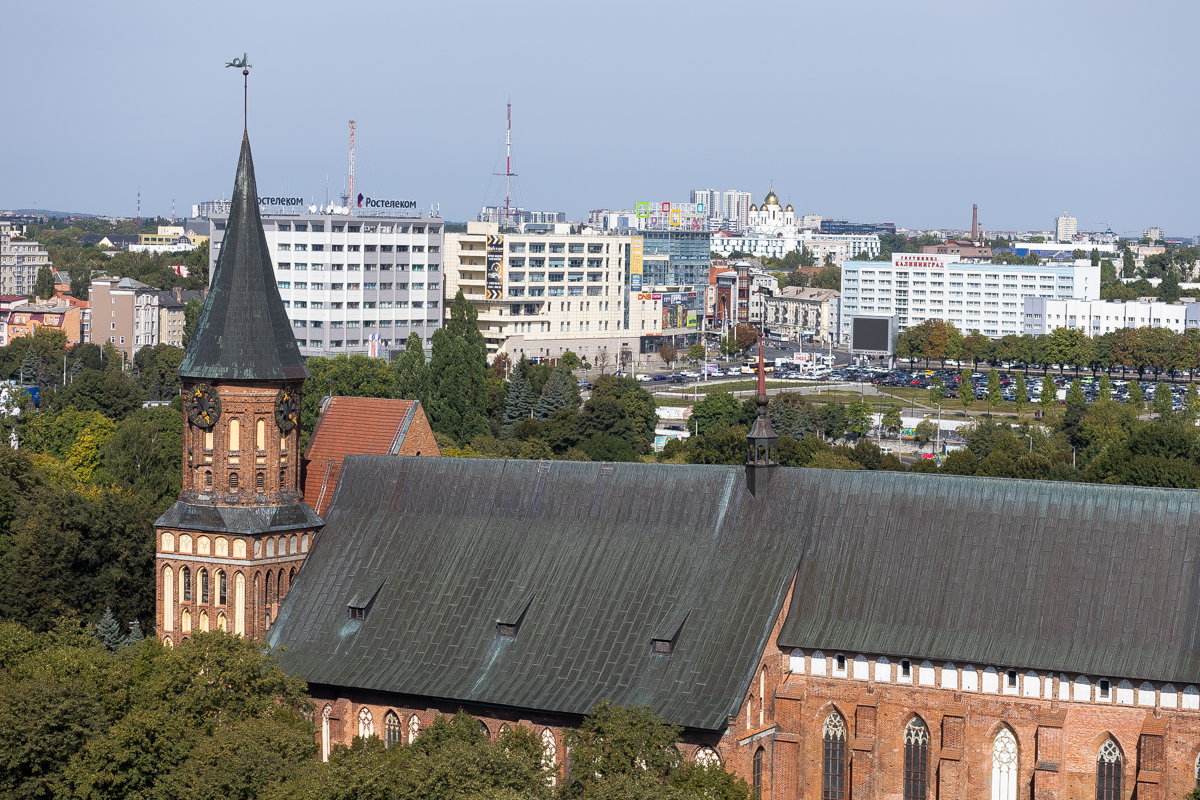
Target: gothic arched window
187	584
707	757
833	767
1004	766
549	752
203	586
1108	771
391	729
414	728
222	588
756	774
366	723
326	744
916	760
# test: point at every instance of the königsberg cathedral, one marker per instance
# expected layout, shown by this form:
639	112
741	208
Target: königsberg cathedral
825	634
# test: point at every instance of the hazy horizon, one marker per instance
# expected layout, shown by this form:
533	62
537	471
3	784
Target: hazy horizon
859	110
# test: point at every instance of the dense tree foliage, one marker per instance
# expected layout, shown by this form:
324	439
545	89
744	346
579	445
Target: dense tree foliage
100	714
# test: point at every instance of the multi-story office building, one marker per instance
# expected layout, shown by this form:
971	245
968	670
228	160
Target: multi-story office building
20	261
551	291
735	208
675	258
519	216
357	284
988	298
841	227
1065	228
211	208
711	200
1098	317
1154	234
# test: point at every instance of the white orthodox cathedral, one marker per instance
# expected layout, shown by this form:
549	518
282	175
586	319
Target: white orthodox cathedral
774	231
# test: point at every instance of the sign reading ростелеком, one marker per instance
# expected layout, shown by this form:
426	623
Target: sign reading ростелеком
371	202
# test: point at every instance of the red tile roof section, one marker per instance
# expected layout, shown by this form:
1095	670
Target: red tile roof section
360	426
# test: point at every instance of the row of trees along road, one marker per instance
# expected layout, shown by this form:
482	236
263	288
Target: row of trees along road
1138	350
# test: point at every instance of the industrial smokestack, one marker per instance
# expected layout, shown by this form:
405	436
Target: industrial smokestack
975	222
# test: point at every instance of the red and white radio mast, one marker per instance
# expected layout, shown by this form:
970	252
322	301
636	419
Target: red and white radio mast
508	173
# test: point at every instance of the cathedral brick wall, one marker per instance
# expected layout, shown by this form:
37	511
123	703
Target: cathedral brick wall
1058	740
344	710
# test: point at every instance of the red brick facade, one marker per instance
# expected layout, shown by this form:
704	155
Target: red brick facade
1156	727
248	466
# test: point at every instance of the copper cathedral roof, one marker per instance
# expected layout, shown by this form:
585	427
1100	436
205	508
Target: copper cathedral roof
243	332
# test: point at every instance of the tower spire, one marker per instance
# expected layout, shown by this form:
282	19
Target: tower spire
762	443
243	332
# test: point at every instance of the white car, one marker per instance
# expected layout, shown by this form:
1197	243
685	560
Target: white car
645	377
690	374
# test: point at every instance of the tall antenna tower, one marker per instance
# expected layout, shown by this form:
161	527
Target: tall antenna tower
139	210
508	173
352	202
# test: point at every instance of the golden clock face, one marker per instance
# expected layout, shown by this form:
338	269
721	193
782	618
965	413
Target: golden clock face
287	409
203	405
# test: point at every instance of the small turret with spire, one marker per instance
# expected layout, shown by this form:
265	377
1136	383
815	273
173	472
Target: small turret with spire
762	443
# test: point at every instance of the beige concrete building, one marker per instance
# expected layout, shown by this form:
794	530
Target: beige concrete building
551	292
113	302
803	312
131	315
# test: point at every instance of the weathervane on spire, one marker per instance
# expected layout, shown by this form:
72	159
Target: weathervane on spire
244	63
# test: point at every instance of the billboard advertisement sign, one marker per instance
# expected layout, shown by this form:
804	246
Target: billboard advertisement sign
643	210
679	310
872	335
495	266
635	264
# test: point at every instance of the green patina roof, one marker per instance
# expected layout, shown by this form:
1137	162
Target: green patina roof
1098	580
243	332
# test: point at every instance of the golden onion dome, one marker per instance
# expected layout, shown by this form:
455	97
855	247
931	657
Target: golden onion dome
790	209
753	207
771	200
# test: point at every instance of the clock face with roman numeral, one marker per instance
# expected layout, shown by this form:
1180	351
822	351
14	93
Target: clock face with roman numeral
203	405
287	409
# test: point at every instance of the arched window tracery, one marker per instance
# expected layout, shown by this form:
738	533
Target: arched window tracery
833	763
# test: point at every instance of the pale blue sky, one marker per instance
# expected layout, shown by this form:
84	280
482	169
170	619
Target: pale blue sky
875	110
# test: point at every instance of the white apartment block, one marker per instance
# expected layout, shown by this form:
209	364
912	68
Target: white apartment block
560	291
1098	317
840	248
1065	228
20	261
988	298
354	284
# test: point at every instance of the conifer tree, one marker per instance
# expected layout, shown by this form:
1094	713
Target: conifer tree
966	390
135	633
411	372
994	395
1049	394
1191	402
45	283
108	631
1104	387
1164	403
1075	397
559	392
520	401
457	384
1021	393
1136	399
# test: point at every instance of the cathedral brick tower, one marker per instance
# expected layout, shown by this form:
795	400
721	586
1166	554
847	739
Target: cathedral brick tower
228	549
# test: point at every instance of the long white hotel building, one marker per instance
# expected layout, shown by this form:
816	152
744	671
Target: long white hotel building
989	298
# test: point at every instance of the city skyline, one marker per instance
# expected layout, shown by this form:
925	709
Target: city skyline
925	111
